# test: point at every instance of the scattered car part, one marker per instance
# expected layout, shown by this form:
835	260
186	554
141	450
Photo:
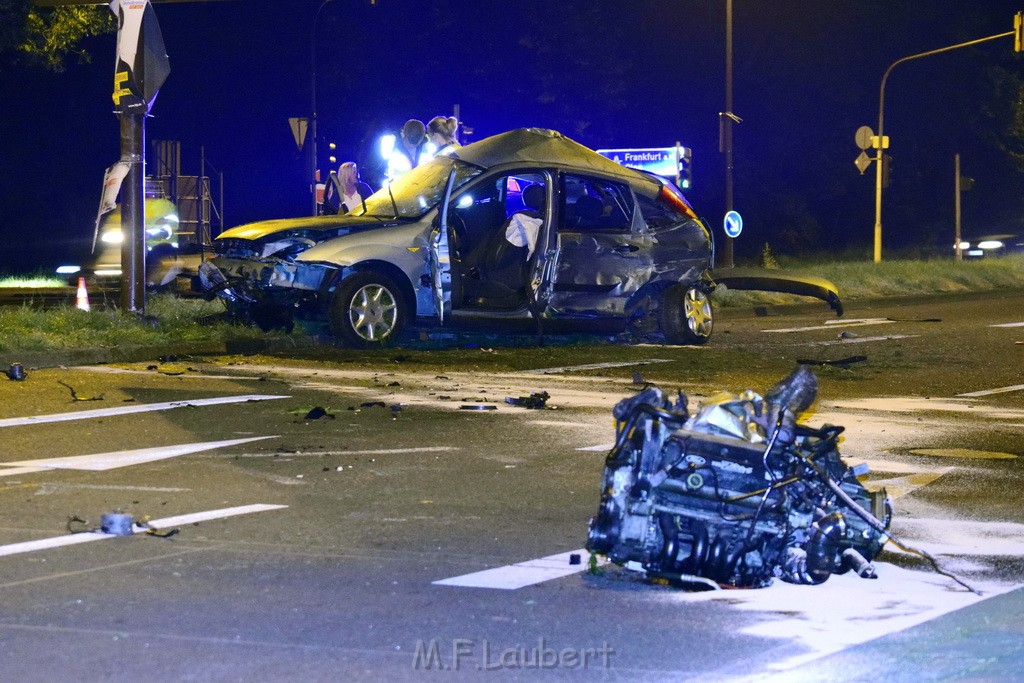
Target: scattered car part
772	280
737	493
16	373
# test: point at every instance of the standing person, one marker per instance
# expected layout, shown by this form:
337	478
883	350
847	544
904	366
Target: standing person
441	131
408	152
345	193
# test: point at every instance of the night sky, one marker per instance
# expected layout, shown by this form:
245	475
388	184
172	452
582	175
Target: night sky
635	73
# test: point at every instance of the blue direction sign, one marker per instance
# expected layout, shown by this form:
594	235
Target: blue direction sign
668	162
733	224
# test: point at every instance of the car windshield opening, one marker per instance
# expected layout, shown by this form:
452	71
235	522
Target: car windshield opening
418	191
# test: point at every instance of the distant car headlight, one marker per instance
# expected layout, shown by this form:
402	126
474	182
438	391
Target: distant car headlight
112	237
990	244
964	244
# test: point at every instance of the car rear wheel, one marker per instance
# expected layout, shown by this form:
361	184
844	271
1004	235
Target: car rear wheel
368	311
687	316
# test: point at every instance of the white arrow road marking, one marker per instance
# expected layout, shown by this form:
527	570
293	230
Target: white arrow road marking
989	392
127	410
109	461
831	325
87	536
593	366
522	574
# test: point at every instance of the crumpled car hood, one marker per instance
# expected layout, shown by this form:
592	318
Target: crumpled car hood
260	229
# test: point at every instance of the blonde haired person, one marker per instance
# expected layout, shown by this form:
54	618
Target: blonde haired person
345	192
441	131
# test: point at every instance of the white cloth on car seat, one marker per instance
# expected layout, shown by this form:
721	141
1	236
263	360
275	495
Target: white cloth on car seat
522	231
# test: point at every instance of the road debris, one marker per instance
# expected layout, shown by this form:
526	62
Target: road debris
16	373
736	493
535	401
75	396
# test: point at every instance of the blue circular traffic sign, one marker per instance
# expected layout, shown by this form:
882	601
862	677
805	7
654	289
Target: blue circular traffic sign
733	224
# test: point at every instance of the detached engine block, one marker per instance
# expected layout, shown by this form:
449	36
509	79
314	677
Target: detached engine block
737	494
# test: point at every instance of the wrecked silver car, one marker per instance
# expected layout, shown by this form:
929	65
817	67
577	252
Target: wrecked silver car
526	228
737	494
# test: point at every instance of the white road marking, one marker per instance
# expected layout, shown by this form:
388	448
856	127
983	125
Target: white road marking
897	487
598	447
846	610
968	453
128	410
832	324
318	454
593	366
522	574
1008	325
88	536
989	392
50	487
861	340
109	461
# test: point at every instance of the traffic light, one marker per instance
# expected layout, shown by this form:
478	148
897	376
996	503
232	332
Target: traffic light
1018	32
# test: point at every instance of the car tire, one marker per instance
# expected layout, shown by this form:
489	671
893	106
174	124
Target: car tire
686	316
368	311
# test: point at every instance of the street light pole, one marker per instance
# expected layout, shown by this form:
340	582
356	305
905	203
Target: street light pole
312	118
726	120
881	132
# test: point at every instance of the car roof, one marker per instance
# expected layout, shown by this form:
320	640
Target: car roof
547	147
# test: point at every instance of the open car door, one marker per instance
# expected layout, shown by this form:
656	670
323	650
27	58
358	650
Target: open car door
445	277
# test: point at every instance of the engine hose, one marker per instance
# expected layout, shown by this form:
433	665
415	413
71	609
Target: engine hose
685	578
823	547
873	522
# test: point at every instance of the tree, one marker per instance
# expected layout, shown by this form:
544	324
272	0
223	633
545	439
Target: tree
47	37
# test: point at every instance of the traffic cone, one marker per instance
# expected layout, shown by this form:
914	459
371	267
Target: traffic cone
82	297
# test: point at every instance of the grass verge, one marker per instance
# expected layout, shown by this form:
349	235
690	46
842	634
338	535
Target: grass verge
176	321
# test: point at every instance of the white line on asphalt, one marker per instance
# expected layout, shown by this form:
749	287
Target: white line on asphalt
832	325
51	486
593	366
317	454
599	447
87	536
1008	325
127	410
14	471
514	576
989	392
861	340
109	461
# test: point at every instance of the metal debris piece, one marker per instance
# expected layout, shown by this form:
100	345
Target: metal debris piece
373	404
317	413
75	396
535	401
736	494
478	406
16	373
116	524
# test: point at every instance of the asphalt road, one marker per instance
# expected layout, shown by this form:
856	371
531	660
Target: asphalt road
335	548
